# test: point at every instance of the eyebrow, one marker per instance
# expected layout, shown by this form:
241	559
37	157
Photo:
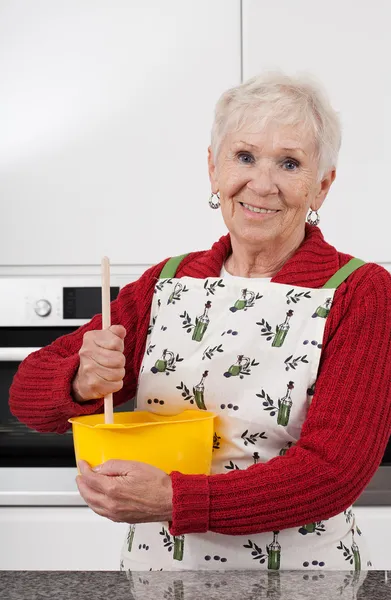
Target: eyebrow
283	149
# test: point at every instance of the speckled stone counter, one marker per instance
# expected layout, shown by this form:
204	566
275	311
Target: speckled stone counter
191	585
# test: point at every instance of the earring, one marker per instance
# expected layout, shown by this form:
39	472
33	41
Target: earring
313	220
212	201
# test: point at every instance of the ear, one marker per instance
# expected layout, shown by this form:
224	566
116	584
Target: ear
325	185
212	171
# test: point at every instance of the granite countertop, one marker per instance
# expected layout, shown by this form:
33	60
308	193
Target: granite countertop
192	585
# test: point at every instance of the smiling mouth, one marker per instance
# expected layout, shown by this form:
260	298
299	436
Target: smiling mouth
254	209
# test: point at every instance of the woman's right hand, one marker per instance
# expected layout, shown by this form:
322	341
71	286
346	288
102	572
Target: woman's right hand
102	364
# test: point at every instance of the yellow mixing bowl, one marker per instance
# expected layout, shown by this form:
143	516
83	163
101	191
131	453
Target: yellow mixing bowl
181	442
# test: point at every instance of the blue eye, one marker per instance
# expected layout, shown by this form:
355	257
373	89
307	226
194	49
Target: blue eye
245	157
290	165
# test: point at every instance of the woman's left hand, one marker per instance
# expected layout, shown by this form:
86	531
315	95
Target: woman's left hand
126	491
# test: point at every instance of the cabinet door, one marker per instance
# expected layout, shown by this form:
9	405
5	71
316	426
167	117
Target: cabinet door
346	46
58	539
107	110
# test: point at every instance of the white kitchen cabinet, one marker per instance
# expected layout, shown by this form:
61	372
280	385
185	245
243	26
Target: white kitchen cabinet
375	523
75	538
346	46
58	539
106	109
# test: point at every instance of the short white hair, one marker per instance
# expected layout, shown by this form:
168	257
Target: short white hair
286	100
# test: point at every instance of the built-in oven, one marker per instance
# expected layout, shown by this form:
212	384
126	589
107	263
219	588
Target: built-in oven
39	468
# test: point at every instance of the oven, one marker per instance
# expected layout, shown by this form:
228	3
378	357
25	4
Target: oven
39	468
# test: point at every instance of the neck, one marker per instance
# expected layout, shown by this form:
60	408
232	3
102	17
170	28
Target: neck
262	260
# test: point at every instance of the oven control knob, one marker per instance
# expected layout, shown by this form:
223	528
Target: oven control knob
43	308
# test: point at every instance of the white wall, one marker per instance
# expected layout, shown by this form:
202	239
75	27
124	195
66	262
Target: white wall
346	45
106	109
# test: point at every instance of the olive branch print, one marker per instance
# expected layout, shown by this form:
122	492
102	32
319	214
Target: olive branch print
210	289
346	552
232	466
186	323
291	363
248	370
266	330
150	348
209	352
185	392
295	298
151	325
216	441
268	403
167	541
348	515
253	437
256	552
162	282
173	367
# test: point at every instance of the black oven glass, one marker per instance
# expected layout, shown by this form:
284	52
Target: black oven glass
84	302
19	445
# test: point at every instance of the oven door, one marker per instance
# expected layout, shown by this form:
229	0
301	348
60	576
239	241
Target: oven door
35	468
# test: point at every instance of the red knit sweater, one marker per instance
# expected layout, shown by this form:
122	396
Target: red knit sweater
348	424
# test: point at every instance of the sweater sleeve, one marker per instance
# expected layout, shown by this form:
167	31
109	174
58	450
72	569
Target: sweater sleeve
41	391
342	441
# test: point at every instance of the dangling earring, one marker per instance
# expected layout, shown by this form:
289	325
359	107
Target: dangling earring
313	220
212	201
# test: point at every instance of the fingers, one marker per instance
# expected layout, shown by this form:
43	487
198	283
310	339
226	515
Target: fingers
92	480
104	338
118	330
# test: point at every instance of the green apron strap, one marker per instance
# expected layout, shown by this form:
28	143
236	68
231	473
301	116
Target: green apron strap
343	273
170	268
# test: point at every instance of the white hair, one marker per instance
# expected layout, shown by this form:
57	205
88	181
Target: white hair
286	100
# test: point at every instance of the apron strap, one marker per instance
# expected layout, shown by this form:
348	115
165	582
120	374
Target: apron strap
343	273
170	268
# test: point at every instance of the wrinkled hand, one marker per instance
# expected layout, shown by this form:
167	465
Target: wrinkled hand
126	491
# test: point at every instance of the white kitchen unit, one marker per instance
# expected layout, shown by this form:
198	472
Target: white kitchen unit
106	109
58	538
346	46
375	523
75	538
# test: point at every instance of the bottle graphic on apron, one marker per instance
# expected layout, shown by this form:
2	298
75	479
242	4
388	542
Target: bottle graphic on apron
285	404
198	391
179	543
177	289
274	553
130	537
246	299
201	324
282	331
356	554
323	310
167	360
241	365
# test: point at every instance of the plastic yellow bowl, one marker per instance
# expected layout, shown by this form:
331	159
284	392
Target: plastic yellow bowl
181	442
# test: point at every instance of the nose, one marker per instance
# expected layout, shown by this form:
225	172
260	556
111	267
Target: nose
262	181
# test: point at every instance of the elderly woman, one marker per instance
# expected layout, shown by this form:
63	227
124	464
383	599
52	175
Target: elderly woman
286	339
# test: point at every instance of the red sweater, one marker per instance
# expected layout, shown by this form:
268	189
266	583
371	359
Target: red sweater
348	424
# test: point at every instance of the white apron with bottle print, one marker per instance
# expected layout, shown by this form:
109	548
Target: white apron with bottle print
247	350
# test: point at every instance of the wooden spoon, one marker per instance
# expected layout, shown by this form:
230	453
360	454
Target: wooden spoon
106	322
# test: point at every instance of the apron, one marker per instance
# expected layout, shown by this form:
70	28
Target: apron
247	350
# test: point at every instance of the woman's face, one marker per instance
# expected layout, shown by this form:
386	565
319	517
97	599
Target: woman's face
275	170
